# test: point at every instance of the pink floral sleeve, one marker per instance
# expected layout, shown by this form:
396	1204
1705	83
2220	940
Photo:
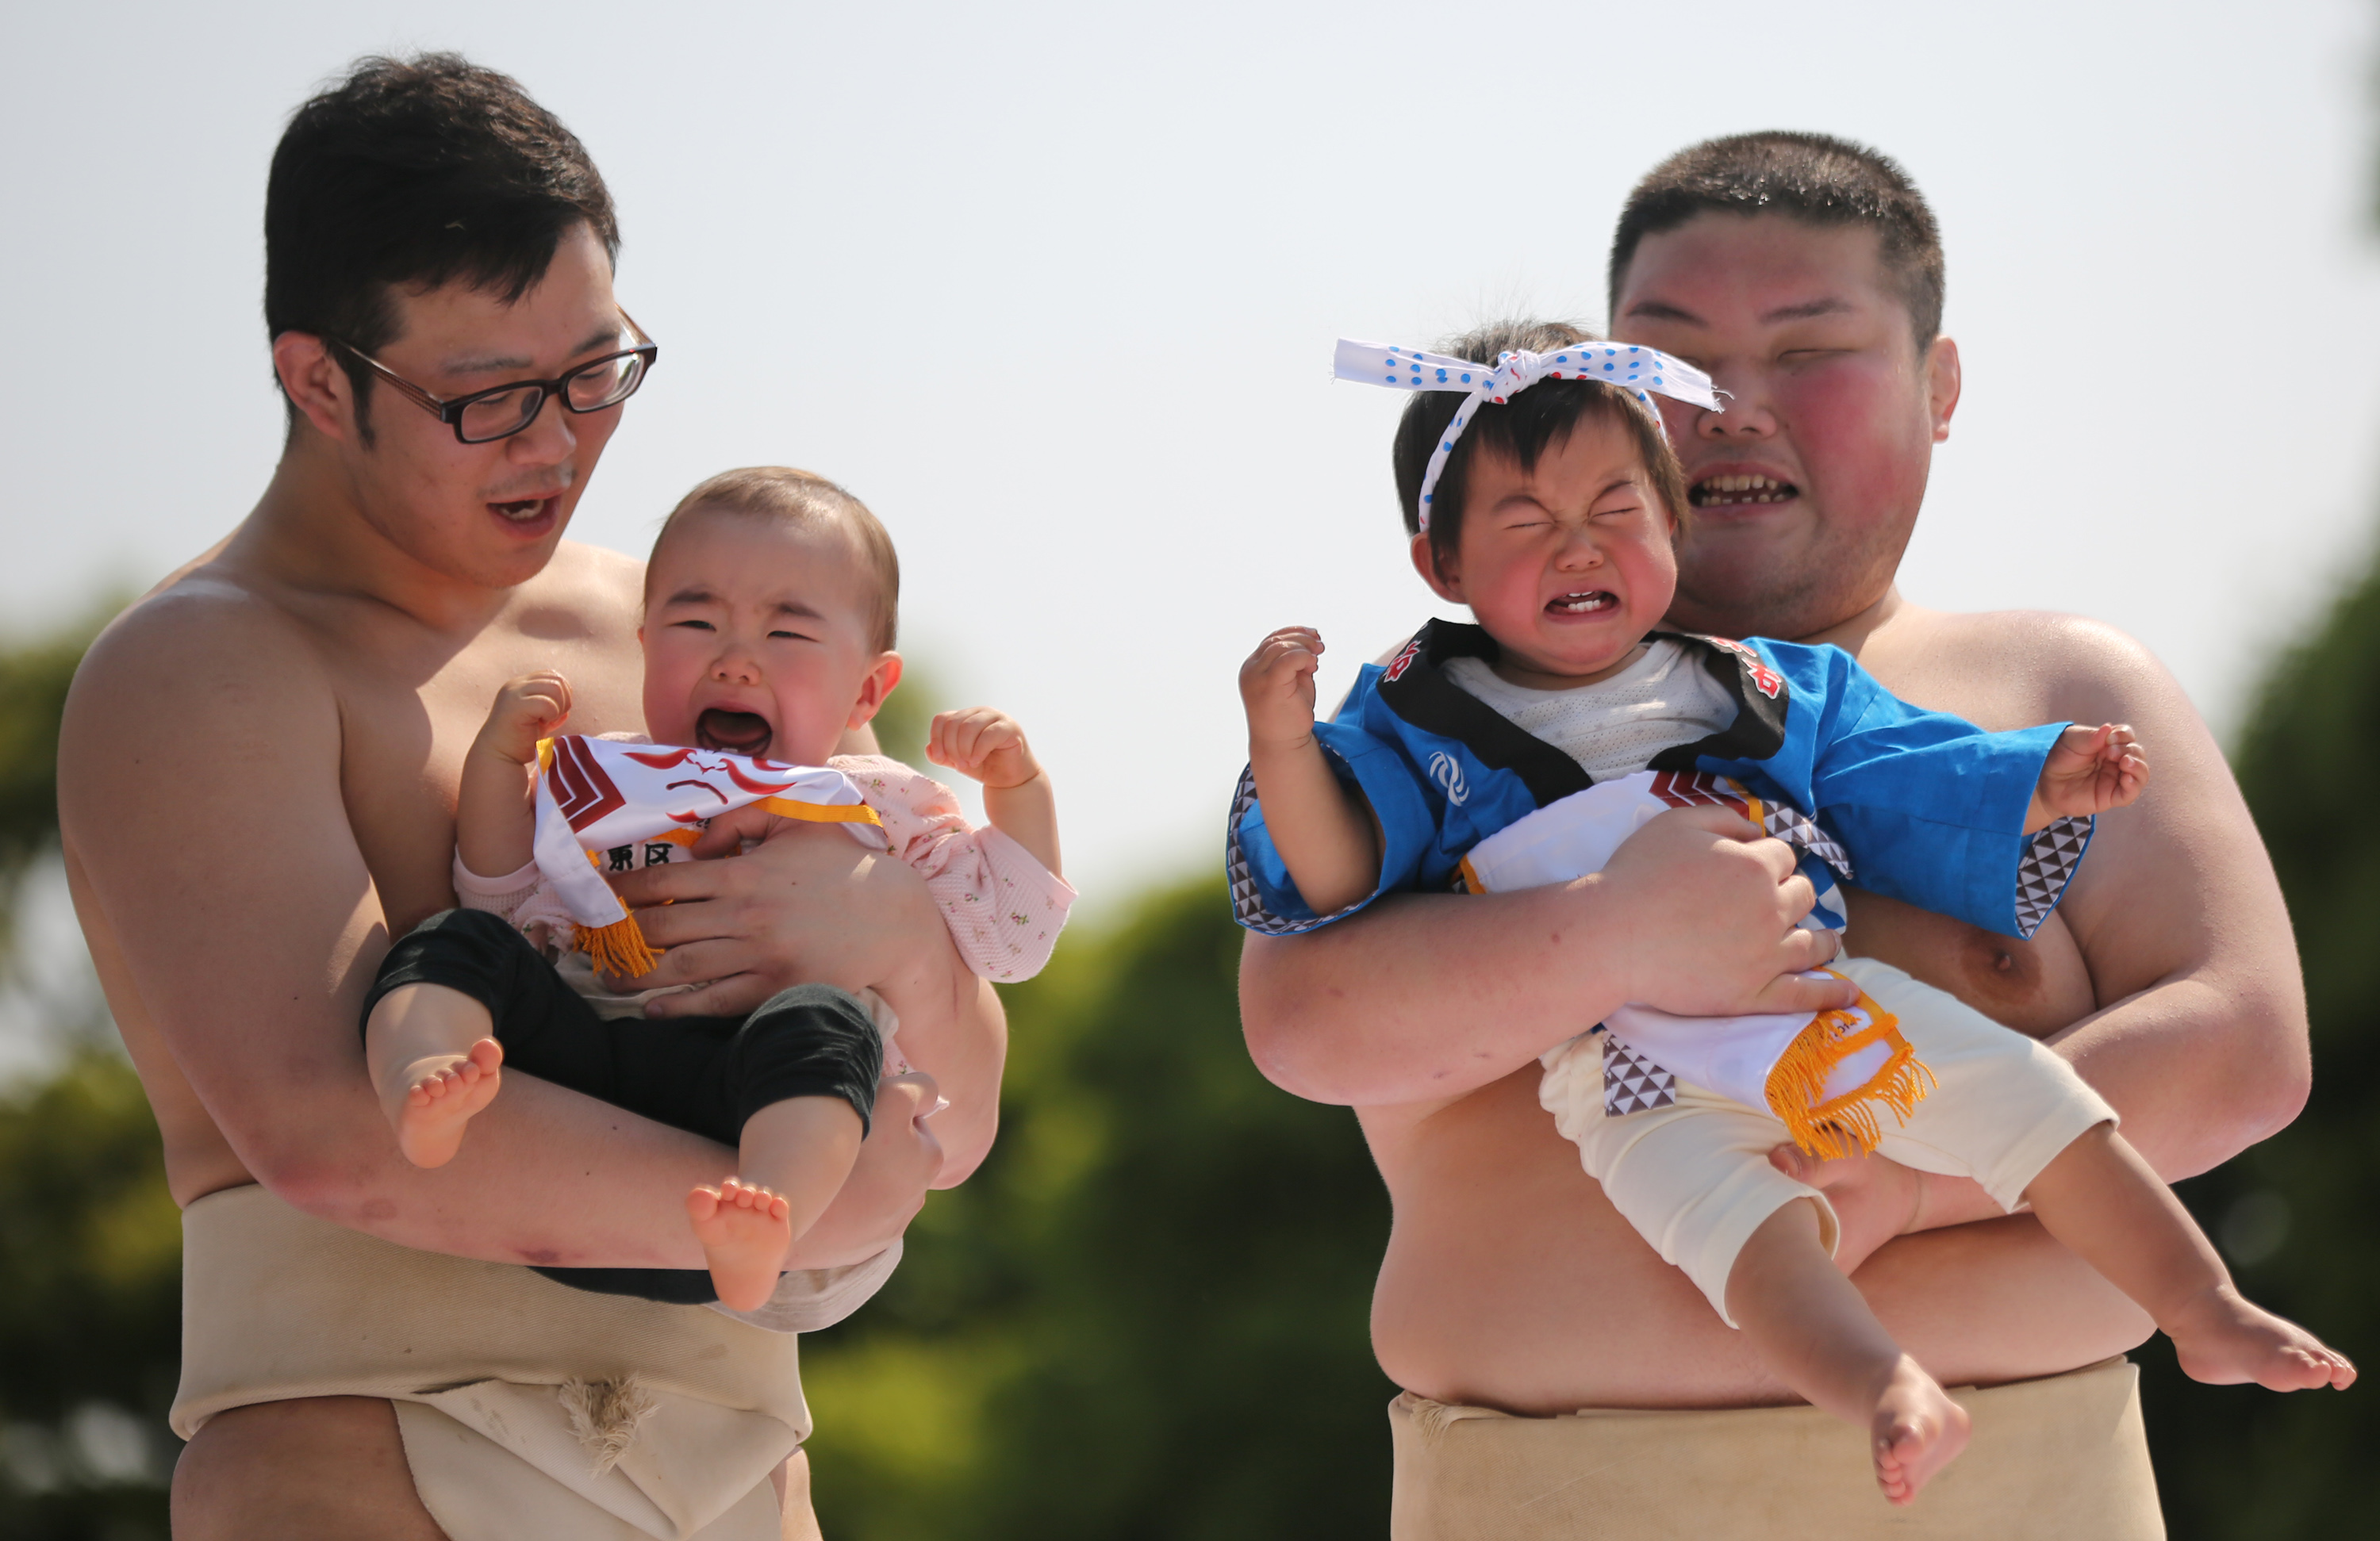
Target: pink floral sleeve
1004	907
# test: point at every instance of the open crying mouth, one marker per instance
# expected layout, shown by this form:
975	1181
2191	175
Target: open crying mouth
1584	602
737	733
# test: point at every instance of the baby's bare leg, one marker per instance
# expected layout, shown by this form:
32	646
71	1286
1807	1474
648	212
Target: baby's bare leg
794	1159
432	1058
1814	1329
2103	1202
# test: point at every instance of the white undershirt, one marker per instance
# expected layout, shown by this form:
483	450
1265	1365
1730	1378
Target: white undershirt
1615	726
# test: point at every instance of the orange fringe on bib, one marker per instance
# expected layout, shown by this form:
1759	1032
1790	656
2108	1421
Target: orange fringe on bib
619	949
1845	1125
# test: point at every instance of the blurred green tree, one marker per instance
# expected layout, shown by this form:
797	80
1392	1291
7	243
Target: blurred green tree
2297	1214
33	680
1147	1313
90	1321
90	1240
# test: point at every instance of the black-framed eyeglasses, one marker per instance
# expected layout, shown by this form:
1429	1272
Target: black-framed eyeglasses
500	411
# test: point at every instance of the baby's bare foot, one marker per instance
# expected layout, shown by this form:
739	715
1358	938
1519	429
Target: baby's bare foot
1918	1431
2226	1340
743	1231
441	1094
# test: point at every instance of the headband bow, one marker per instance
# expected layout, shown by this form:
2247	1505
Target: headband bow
1640	371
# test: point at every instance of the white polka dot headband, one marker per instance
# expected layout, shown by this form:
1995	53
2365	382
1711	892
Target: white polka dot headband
1642	371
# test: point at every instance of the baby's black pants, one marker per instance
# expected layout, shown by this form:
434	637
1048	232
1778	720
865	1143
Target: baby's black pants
705	1075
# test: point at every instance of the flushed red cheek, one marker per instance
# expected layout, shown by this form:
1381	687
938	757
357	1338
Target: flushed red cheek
1848	428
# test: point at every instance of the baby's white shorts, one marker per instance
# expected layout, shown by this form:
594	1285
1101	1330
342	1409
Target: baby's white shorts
1694	1177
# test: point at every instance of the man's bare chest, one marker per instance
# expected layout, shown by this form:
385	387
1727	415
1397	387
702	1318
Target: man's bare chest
407	723
2038	985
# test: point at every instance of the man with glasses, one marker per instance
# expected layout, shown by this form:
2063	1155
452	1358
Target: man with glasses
500	411
258	773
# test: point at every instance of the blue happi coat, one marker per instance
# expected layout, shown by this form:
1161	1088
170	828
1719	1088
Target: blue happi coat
1929	807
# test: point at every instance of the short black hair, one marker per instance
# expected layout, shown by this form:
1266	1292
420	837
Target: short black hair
419	171
1813	177
1521	429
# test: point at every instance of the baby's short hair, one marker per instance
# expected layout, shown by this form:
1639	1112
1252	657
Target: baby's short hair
1522	429
804	500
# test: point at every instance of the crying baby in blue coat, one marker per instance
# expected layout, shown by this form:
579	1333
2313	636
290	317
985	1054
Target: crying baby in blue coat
1541	491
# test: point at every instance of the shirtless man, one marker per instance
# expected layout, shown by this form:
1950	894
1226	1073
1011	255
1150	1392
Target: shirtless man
260	760
1805	275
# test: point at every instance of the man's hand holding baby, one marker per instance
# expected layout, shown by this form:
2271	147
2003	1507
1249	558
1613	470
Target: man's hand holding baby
805	904
1710	907
2089	772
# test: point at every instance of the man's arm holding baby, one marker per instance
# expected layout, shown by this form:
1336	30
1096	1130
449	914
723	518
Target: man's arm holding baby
2195	1025
1357	1014
727	931
2200	1041
1426	998
204	794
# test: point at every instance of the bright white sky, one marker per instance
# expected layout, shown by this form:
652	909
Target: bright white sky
1054	290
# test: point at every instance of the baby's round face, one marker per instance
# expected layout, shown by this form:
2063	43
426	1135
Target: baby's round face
1568	566
757	637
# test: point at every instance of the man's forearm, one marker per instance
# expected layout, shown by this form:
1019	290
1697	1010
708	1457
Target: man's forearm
1425	996
2196	1072
548	1176
555	1179
2199	1068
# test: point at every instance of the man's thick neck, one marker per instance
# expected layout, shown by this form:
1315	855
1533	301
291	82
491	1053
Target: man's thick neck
309	531
1851	632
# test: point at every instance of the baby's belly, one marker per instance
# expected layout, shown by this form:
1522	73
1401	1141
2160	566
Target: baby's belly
2036	987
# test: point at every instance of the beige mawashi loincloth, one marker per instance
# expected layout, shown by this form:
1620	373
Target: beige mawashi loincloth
2061	1459
486	1363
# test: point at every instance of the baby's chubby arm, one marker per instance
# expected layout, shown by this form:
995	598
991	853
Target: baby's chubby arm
988	746
495	806
1325	836
2089	772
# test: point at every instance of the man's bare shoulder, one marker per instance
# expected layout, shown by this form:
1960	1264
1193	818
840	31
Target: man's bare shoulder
2040	665
203	628
202	673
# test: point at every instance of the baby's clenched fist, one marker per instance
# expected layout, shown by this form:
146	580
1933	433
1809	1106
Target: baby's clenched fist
983	744
526	709
1277	686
